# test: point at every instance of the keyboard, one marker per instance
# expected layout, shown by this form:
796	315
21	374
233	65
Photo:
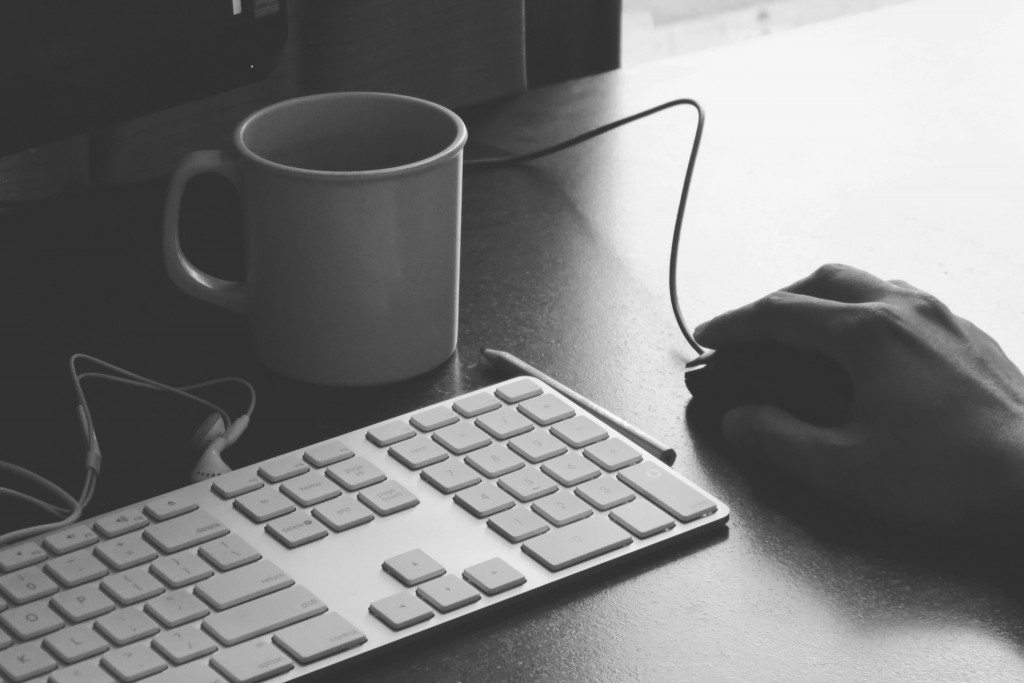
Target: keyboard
325	554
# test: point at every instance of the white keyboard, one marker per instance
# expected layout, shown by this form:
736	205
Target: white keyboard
324	554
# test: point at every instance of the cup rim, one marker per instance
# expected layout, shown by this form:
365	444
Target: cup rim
453	148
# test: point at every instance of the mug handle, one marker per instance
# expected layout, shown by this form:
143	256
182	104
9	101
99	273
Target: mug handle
225	293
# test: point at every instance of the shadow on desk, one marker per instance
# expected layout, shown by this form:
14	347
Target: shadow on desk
870	573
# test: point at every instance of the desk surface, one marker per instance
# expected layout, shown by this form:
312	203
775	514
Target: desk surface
889	140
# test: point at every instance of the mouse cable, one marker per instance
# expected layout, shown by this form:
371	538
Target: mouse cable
499	162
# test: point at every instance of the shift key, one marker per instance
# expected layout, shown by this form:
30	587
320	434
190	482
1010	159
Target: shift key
185	531
671	494
264	615
243	584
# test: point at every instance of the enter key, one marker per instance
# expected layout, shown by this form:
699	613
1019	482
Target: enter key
667	491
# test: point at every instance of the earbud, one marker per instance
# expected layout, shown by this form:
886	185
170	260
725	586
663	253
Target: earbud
213	438
210	463
210	429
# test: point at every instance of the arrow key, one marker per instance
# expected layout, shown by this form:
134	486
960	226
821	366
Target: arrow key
447	593
413	567
494	576
401	610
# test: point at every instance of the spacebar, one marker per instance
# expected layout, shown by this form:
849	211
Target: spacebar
577	542
264	615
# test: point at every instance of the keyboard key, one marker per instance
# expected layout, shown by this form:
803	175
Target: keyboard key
132	586
546	409
133	663
668	492
320	637
27	585
236	483
447	593
390	433
476	404
484	499
562	508
266	614
355	473
401	610
31	621
22	662
537	446
387	498
326	454
181	569
579	431
570	469
125	552
118	523
185	531
461	438
193	672
528	484
413	567
263	505
451	476
252	662
79	604
418	453
184	644
5	640
434	418
604	493
228	552
176	608
613	454
517	524
296	529
86	672
168	507
76	643
519	390
504	423
494	461
310	489
280	469
494	576
21	555
243	584
71	538
642	519
577	543
126	626
342	514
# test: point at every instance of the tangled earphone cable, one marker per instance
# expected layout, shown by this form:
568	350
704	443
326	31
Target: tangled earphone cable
69	508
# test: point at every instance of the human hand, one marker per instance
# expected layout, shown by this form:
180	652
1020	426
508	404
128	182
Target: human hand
935	438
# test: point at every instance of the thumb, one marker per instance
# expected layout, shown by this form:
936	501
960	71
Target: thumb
775	437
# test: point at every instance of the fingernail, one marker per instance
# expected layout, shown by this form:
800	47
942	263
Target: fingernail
699	330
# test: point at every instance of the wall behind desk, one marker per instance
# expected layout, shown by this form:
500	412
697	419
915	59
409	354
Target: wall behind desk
455	52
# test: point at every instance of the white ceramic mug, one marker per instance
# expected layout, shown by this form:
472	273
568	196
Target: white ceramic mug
352	206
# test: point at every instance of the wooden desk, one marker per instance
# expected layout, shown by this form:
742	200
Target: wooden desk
889	140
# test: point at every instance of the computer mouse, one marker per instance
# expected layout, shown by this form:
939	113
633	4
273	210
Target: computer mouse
808	385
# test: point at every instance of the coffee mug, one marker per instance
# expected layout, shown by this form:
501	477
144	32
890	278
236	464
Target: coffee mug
351	209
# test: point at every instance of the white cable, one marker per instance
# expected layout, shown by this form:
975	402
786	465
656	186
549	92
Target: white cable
75	507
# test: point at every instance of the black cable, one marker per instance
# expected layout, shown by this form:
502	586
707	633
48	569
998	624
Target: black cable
499	162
